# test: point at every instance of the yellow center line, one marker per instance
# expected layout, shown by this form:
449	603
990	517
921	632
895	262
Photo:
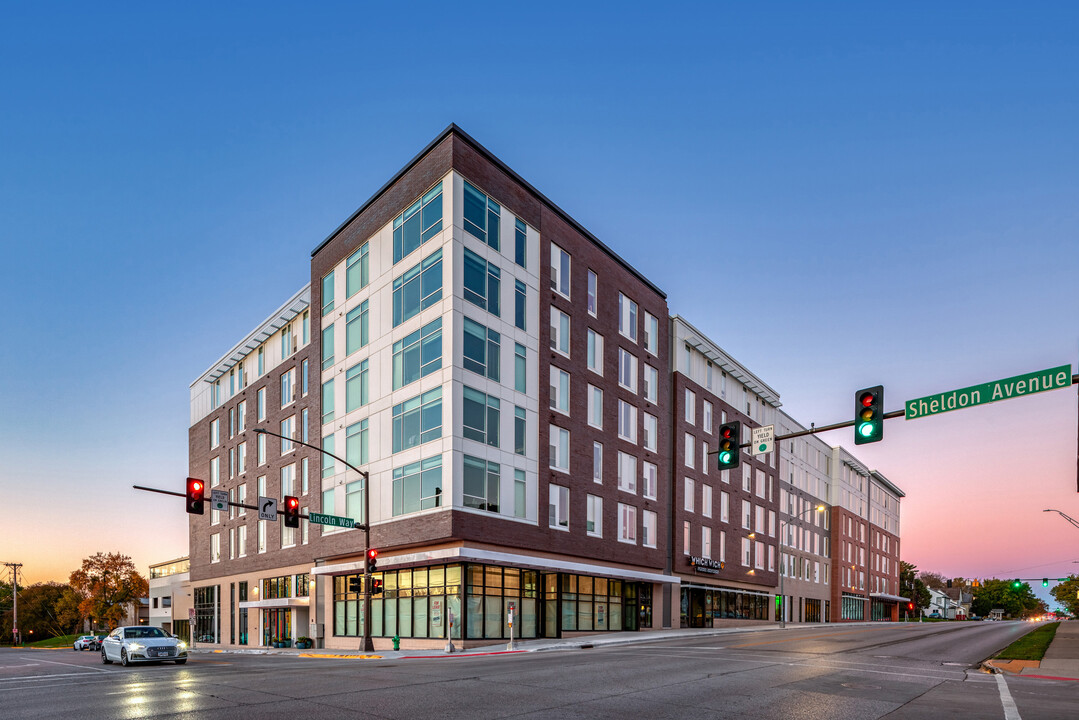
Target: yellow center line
816	636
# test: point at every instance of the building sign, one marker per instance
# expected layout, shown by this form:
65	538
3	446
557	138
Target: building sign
706	565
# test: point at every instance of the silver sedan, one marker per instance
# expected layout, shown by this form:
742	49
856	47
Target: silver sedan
140	643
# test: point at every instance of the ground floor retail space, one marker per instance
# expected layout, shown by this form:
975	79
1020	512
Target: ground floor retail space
474	601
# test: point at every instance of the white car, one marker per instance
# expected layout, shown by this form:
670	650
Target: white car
141	643
86	642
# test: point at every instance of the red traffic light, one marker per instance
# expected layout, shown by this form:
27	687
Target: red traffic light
372	553
868	399
195	496
292	503
726	431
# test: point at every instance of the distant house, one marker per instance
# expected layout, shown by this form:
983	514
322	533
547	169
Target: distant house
962	600
996	614
940	605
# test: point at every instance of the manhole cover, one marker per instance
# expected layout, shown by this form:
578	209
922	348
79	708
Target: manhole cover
860	686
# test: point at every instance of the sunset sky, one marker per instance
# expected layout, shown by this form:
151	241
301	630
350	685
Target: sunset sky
887	194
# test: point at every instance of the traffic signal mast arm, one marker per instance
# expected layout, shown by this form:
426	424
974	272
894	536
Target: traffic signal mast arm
359	526
813	430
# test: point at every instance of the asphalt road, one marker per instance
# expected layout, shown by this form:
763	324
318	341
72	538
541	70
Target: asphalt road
834	672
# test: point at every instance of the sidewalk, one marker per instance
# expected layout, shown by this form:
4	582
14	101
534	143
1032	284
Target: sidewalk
1062	657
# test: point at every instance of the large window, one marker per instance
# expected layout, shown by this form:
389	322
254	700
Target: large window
651	432
357	328
651	384
559	448
520	425
520	252
627	523
520	304
649	476
559	390
558	507
327	346
480	484
357	386
418	224
481	417
328	411
560	263
357	270
594	519
595	407
417	486
651	333
627	472
627	370
595	352
481	215
627	317
417	420
327	294
627	421
481	282
356	443
520	368
559	331
417	288
417	354
481	349
593	281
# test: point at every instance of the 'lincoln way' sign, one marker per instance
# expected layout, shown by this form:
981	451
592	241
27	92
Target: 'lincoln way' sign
1018	386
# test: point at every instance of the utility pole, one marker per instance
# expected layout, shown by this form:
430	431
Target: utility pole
14	567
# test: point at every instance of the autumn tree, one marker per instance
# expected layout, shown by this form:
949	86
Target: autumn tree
108	584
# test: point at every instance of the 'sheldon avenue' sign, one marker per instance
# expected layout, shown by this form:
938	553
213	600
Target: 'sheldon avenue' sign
1018	386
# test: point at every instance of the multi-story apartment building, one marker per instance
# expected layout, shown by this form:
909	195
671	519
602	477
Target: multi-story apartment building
725	523
805	525
865	570
238	563
533	434
168	583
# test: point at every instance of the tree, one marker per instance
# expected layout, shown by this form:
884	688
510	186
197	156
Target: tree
1016	602
37	611
108	584
912	586
67	611
1067	594
933	579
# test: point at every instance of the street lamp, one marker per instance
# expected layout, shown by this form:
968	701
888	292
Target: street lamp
783	565
1070	519
367	645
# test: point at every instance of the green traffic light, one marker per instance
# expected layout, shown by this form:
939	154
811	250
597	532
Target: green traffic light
725	457
867	429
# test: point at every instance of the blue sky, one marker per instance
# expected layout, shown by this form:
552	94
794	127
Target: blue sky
882	194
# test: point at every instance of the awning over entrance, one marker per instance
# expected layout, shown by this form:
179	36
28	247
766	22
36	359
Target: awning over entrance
891	598
277	603
497	558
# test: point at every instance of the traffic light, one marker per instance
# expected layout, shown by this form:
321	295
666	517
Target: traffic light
355	584
292	511
869	415
910	606
372	561
1017	584
1045	582
730	437
196	496
376	587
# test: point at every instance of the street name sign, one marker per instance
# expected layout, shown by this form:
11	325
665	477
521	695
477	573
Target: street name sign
1006	389
219	499
267	508
331	520
764	438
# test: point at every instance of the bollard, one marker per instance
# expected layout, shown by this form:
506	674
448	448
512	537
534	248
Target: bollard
396	643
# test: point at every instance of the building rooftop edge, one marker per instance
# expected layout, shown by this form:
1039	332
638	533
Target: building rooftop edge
277	319
453	129
772	395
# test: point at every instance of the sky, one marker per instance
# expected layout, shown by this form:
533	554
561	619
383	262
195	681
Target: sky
839	195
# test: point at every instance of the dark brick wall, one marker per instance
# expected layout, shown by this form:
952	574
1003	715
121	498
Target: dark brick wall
200	453
733	571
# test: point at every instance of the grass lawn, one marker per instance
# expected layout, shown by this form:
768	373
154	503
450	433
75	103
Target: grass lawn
1031	646
56	642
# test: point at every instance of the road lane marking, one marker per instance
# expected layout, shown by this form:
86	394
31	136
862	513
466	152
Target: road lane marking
82	667
1011	712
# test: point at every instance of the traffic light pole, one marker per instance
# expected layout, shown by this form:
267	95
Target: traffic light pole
367	645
